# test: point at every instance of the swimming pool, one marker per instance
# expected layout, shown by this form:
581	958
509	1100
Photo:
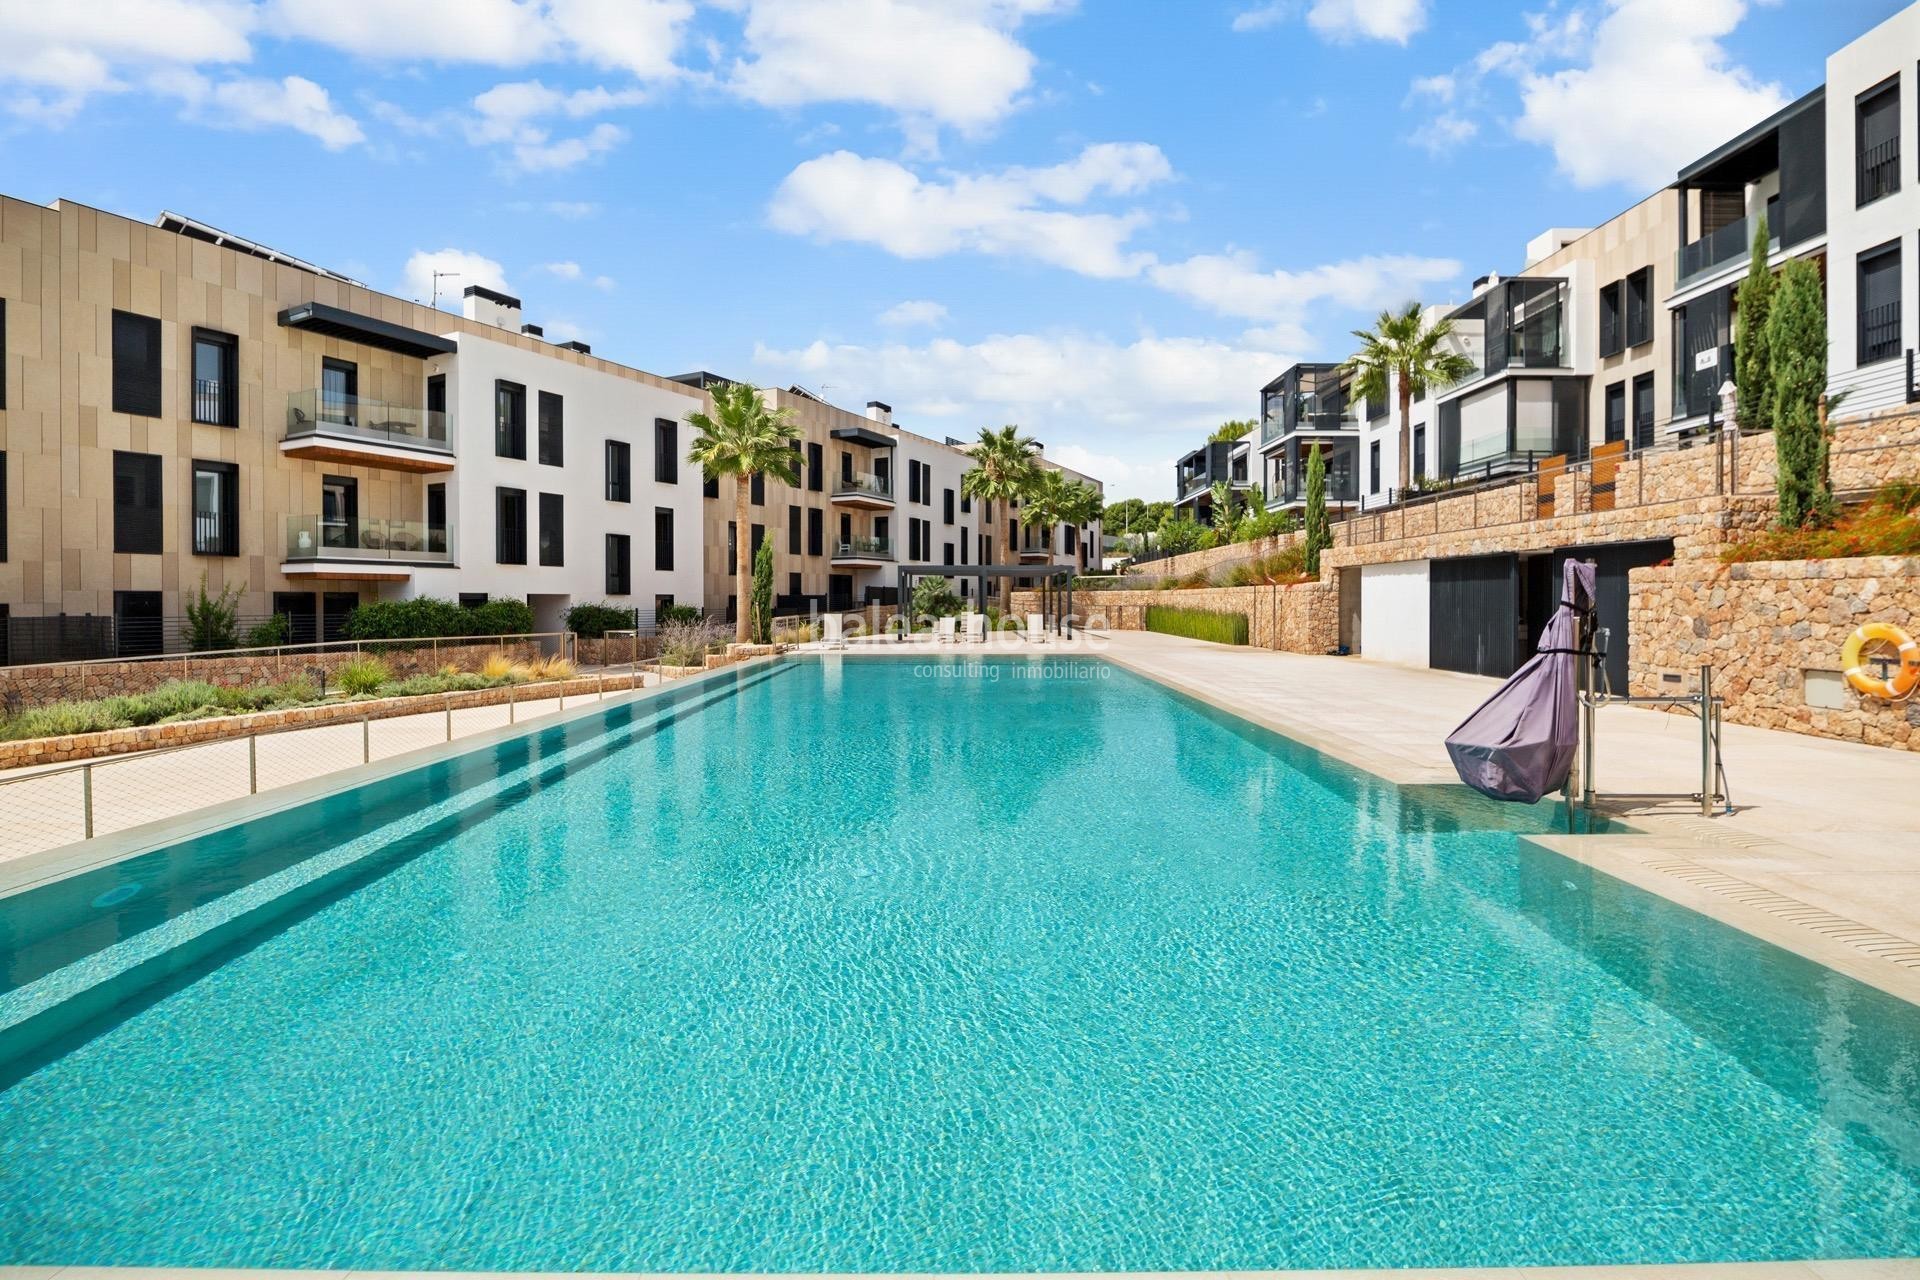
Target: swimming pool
862	964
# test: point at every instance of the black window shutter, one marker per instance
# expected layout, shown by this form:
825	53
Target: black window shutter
136	364
553	543
136	503
663	538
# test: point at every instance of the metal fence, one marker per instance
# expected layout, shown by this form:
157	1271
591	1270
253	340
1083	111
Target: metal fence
47	808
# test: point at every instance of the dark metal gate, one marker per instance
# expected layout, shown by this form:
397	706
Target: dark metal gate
1474	621
1612	563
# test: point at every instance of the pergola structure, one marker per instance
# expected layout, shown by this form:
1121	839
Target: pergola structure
1055	585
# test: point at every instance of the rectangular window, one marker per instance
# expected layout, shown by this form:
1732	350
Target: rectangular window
1880	303
1612	319
1615	416
1639	323
216	509
966	541
619	471
1876	116
437	406
136	364
666	451
733	549
340	392
946	505
946	553
1420	452
437	518
759	536
815	531
215	378
966	507
3	506
1373	467
339	511
759	495
509	421
552	430
553	530
793	530
3	355
663	538
815	465
793	586
619	564
136	503
1643	411
710	486
510	526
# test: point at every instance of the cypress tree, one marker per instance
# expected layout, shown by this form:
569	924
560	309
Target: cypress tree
1797	342
1319	533
1753	375
762	596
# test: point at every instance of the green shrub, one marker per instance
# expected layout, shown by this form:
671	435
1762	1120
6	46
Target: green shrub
1198	624
293	692
502	618
438	682
362	676
594	620
934	598
676	613
425	616
211	619
274	631
173	701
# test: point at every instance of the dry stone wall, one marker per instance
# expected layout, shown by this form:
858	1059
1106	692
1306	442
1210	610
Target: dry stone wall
1772	632
1299	619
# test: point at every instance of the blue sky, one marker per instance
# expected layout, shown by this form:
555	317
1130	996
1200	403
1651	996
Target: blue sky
1108	222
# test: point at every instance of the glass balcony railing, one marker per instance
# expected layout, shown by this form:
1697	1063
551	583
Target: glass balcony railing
1716	249
863	484
332	538
863	549
316	412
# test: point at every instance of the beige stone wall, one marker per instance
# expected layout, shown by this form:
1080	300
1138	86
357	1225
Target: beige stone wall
1213	557
38	686
1299	619
1764	627
89	746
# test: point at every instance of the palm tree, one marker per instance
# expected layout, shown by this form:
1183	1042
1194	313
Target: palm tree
1049	502
1402	347
1084	508
1003	469
743	438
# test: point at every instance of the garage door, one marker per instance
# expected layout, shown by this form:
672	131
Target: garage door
1474	625
1393	612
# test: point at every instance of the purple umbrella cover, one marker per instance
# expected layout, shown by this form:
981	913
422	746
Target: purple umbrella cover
1519	744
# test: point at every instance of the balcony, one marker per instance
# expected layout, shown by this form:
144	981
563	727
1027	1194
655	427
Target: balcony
369	433
869	552
329	547
866	490
1036	550
1716	250
1877	170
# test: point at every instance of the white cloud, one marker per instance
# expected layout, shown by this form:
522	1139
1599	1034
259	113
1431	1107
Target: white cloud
62	53
1658	89
1233	283
1444	132
246	103
951	63
916	313
511	115
639	37
1122	407
467	268
1440	88
572	271
572	210
499	32
1342	21
846	197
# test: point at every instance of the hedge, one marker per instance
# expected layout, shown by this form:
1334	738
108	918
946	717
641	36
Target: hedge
593	621
1198	624
425	616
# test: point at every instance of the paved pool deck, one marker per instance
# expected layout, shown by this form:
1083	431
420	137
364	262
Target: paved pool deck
1821	853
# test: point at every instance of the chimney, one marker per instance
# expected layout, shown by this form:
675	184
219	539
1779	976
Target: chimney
491	307
880	413
577	345
533	331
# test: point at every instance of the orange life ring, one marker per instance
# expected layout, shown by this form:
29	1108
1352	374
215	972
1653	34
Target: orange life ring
1891	688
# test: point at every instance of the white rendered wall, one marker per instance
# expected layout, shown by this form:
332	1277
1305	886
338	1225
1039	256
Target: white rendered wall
1890	49
1395	608
598	406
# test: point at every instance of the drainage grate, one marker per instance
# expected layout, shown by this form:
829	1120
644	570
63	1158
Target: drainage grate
1864	938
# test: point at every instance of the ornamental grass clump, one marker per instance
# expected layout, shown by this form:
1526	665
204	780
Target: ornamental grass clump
1889	525
1198	624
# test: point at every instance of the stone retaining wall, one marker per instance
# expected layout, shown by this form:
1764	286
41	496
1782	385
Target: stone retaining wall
615	651
1773	632
24	687
1299	619
1198	561
87	746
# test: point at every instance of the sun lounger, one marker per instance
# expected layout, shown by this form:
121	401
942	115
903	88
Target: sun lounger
976	628
832	631
944	631
1037	628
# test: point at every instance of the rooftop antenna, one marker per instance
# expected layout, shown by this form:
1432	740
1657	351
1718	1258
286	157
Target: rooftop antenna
451	275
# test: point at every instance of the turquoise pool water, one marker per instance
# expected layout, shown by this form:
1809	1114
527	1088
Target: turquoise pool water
882	965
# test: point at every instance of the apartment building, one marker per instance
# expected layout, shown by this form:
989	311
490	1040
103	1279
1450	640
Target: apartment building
178	404
872	496
1229	462
1309	405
